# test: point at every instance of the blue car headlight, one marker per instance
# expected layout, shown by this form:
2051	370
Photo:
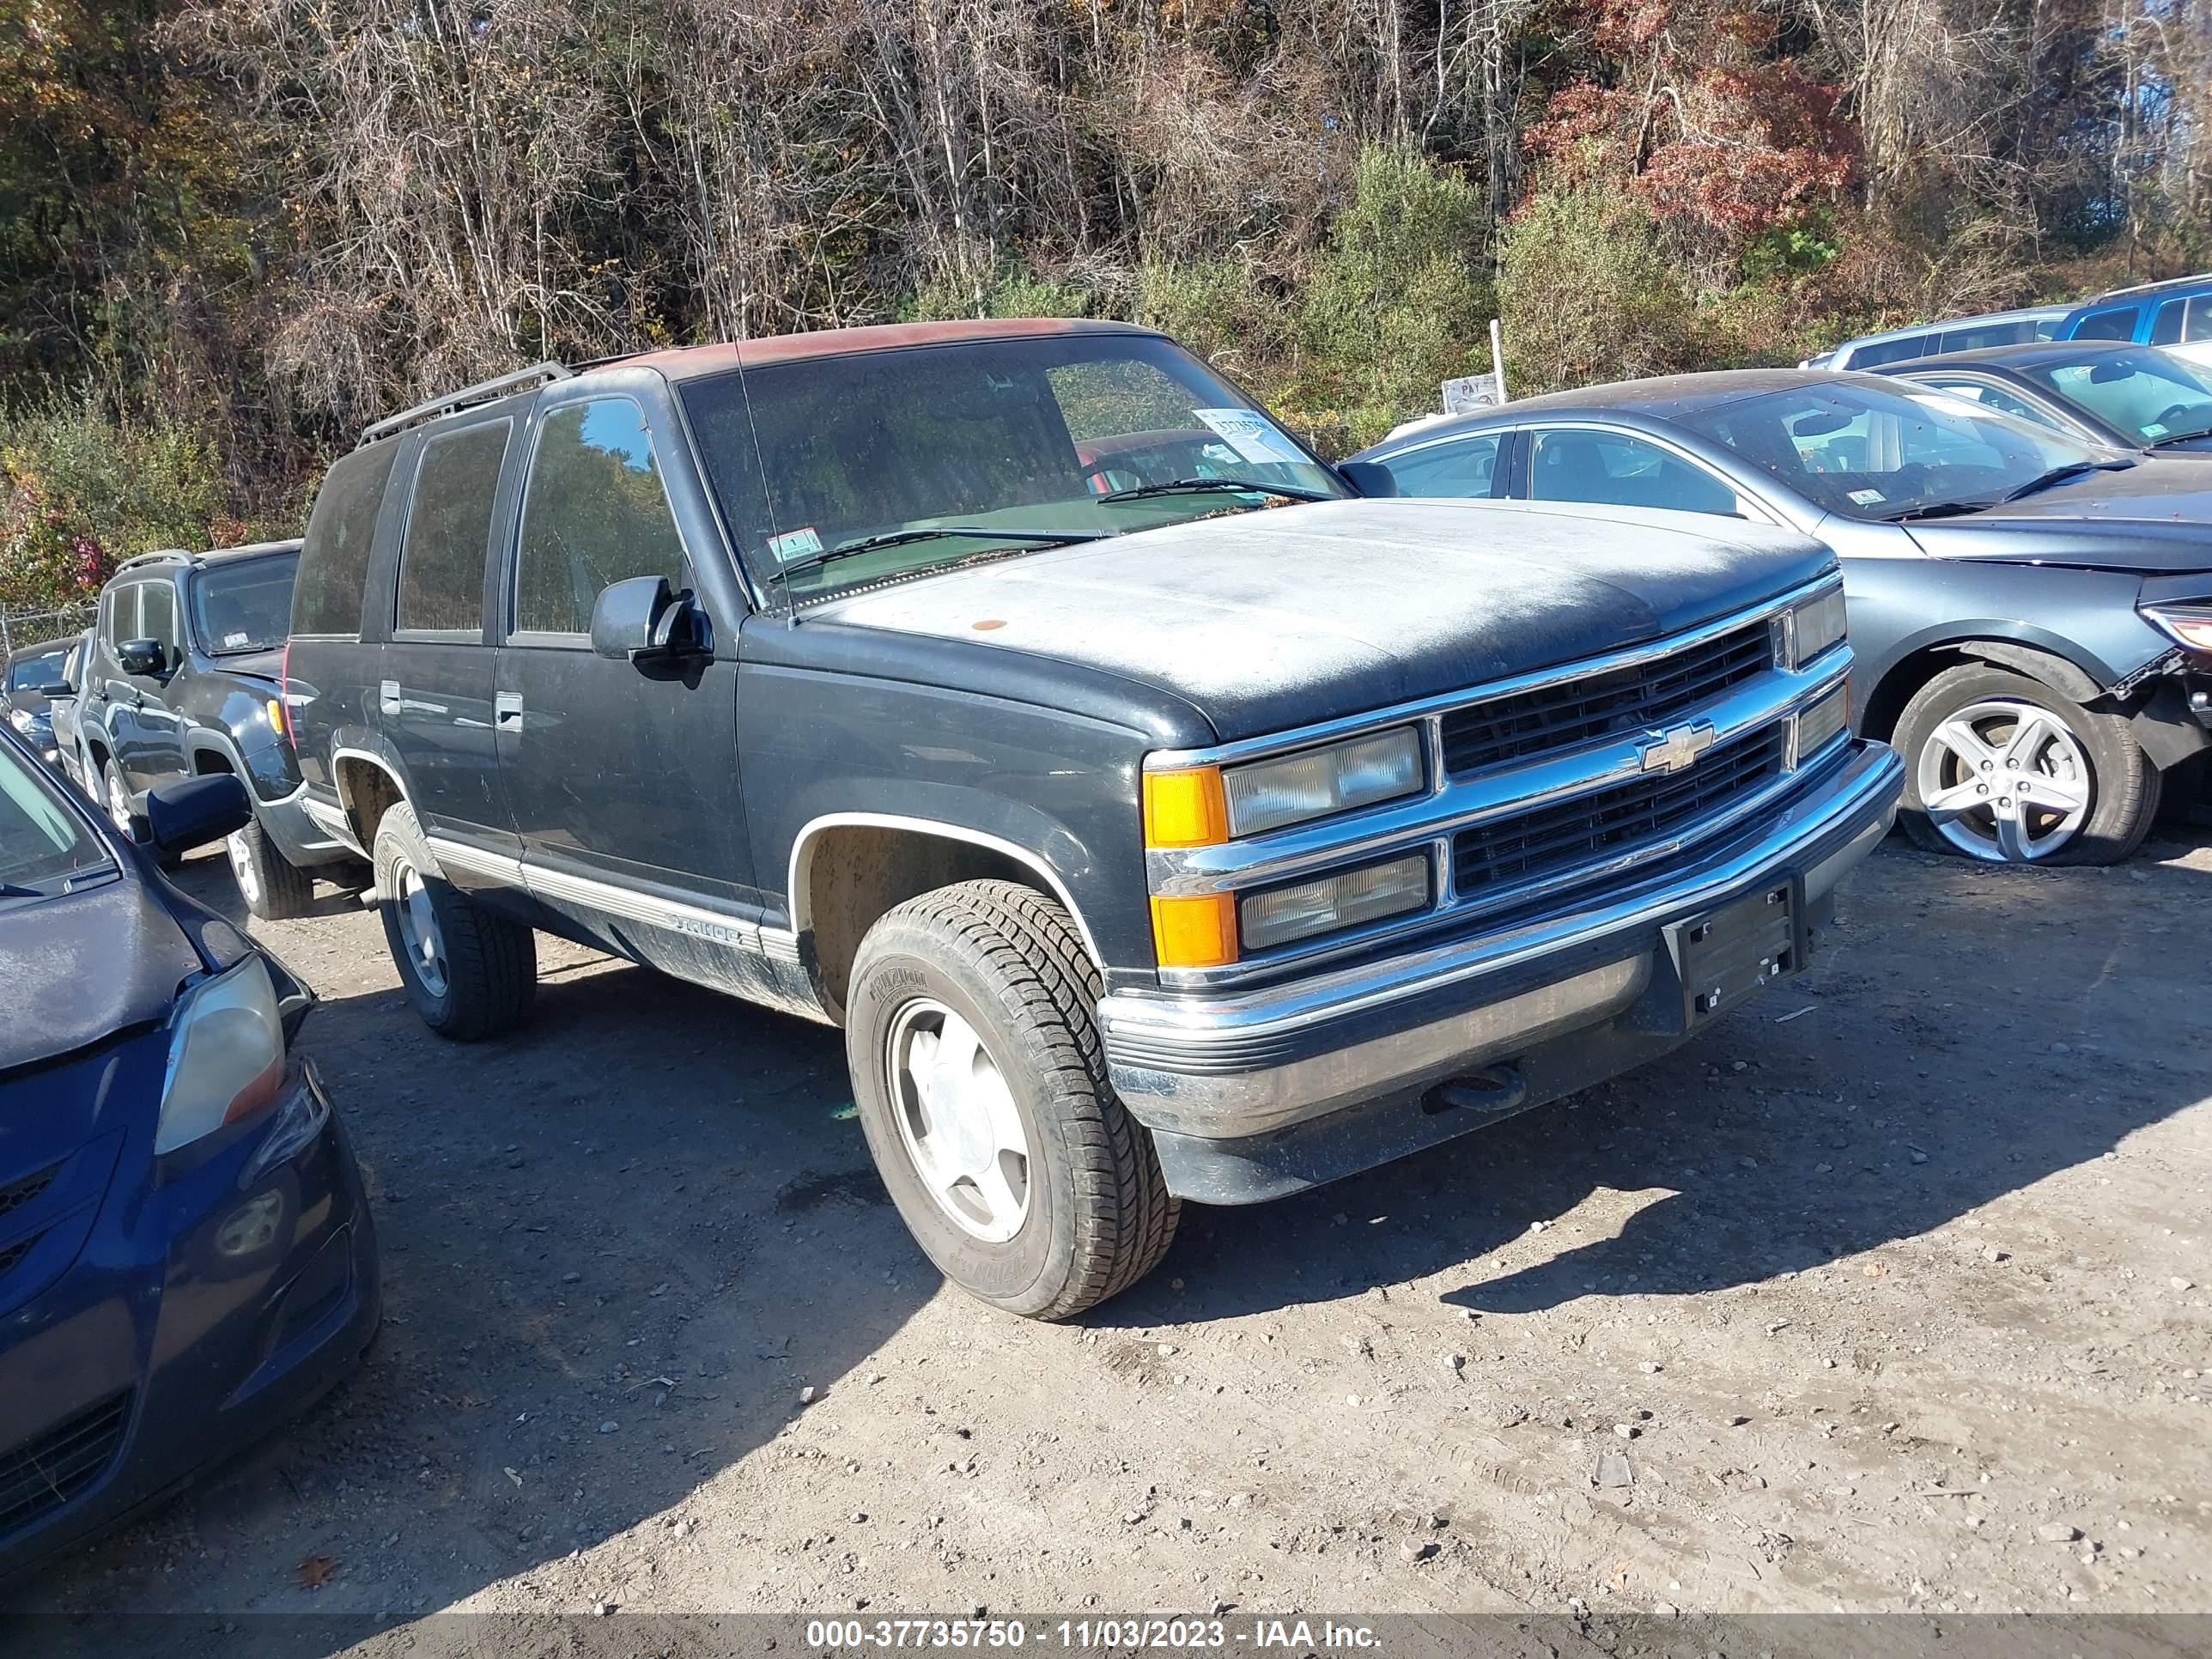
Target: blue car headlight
225	1056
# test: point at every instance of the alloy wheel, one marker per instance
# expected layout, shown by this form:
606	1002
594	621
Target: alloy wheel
418	927
2006	780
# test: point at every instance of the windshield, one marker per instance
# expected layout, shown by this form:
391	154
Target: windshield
1871	453
2156	397
42	844
33	671
245	606
1011	443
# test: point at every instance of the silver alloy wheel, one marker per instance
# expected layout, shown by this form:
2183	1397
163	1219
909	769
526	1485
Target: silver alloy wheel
958	1120
119	804
2006	780
418	926
241	866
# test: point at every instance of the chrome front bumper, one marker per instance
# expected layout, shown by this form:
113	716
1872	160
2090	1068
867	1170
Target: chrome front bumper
1255	1063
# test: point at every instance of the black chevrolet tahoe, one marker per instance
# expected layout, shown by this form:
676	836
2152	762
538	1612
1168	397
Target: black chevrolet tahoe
180	678
1159	819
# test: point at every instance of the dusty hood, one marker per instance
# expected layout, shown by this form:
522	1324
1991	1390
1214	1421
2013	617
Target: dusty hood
2154	519
77	968
1270	620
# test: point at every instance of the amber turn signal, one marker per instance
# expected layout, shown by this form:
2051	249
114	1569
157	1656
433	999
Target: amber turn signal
1185	809
1197	932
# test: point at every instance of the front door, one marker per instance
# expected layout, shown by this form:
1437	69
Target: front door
621	782
154	750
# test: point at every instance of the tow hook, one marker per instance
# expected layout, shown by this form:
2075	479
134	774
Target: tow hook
1494	1091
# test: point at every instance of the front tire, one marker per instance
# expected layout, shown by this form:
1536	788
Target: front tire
274	887
980	1082
470	972
2002	767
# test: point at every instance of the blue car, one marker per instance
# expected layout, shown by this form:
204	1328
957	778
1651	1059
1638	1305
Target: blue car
2175	314
186	1257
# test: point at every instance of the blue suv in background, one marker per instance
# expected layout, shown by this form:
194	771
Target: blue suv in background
2176	314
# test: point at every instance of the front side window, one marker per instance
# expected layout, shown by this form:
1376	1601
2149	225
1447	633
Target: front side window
1872	453
843	471
1466	468
120	621
1612	469
157	617
441	558
2118	324
594	514
33	671
41	844
245	606
334	561
2156	397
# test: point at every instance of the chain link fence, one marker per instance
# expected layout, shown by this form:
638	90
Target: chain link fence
20	628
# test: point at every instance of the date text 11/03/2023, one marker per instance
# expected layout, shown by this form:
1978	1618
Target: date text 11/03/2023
1116	1635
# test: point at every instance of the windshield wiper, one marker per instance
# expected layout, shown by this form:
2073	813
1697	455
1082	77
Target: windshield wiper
1193	486
901	538
2059	475
1935	510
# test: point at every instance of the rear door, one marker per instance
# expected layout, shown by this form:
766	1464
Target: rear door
433	694
621	782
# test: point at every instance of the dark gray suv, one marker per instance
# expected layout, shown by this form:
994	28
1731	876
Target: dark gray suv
1159	820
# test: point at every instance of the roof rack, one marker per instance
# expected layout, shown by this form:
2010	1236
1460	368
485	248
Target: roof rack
159	555
482	392
2147	287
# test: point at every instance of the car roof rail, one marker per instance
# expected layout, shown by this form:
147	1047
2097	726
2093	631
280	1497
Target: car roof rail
452	402
159	555
2202	279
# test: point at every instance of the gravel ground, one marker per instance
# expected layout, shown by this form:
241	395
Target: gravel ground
1893	1293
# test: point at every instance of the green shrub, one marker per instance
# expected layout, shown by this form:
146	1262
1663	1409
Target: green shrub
81	491
1587	295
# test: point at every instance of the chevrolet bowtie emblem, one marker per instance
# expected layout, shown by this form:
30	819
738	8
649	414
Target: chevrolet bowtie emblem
1677	747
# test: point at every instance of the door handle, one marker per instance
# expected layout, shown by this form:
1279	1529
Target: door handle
507	711
387	696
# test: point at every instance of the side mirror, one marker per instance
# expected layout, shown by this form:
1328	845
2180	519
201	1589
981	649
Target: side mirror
1370	478
54	688
142	656
196	810
641	621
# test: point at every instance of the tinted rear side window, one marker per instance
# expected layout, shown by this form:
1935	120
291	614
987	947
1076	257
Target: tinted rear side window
1893	351
441	562
334	562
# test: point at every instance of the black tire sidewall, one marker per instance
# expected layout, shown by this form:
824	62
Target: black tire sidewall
2110	830
396	838
1029	1271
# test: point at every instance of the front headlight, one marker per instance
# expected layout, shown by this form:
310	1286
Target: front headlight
1322	782
225	1056
1282	915
2189	626
1815	626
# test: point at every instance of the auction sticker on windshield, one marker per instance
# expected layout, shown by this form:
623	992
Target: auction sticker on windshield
795	544
1253	437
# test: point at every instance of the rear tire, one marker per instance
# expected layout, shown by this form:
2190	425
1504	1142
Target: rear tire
470	972
2090	791
274	887
982	1087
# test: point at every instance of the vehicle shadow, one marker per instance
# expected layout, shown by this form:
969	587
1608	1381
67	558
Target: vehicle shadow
1966	1032
622	1249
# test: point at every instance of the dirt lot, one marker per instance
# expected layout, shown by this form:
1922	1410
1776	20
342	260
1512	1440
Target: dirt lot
1893	1292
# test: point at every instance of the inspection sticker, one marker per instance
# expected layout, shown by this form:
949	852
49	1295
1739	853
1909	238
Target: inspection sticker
795	544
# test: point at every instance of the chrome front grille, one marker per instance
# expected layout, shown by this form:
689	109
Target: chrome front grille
1535	846
1522	725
